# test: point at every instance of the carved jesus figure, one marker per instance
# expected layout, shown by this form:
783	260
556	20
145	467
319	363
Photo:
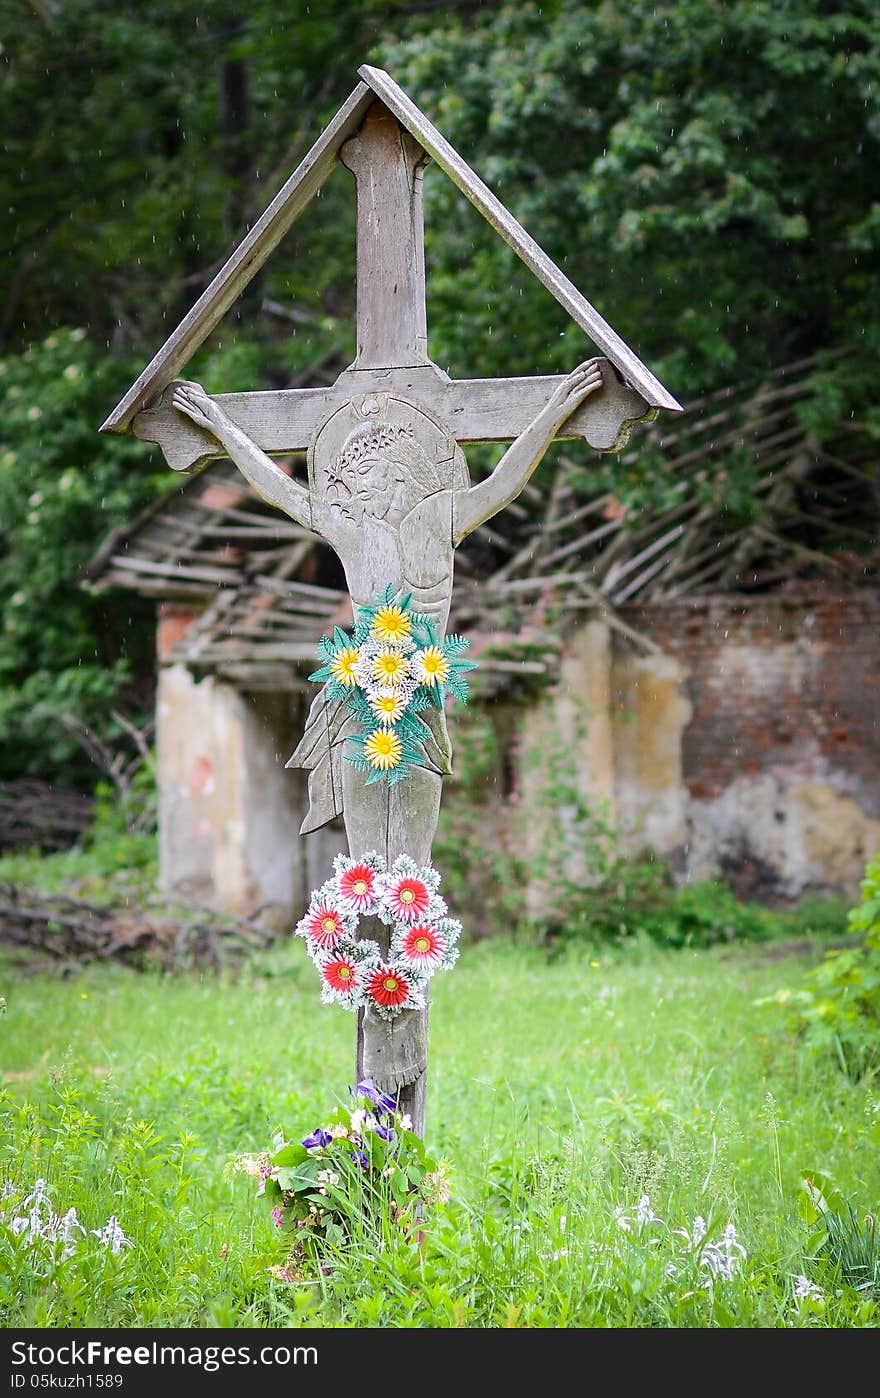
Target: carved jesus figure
389	491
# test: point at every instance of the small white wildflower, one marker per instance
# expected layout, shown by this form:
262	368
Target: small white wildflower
18	599
73	371
7	1190
51	342
339	1132
111	1235
69	1230
722	1259
805	1290
406	1122
34	413
562	1252
622	1219
36	498
33	516
41	1210
644	1212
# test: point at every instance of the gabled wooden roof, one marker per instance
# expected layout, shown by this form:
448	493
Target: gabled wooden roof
562	552
295	196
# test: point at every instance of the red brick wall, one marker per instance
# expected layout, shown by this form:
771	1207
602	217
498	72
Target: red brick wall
786	683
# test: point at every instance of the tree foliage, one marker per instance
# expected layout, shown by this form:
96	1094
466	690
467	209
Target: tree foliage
706	173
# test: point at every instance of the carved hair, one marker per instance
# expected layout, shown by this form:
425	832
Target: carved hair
396	442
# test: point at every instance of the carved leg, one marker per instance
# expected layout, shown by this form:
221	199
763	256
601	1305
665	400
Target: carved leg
393	820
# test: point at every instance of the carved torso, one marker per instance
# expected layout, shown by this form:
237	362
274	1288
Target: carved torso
383	477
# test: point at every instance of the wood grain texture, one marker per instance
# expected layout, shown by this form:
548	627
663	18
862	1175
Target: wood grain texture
245	262
388	165
474	410
557	283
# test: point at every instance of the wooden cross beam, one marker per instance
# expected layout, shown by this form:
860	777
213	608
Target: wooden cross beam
388	486
385	141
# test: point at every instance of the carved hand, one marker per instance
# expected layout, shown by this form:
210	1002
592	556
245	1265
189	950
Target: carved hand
578	385
192	400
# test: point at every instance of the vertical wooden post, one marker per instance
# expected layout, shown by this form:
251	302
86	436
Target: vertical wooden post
388	165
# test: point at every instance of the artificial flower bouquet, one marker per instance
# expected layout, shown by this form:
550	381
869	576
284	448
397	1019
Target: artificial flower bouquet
354	971
392	668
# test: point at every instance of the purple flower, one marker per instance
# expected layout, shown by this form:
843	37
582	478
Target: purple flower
385	1132
361	1157
319	1137
381	1102
277	1216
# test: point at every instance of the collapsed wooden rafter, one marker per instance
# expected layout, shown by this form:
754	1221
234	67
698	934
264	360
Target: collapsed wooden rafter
559	554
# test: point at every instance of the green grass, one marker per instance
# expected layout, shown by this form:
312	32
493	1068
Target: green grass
562	1089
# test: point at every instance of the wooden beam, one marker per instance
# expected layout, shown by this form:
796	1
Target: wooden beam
388	165
513	233
245	262
475	410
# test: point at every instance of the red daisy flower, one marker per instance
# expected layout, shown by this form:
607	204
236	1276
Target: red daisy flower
423	945
358	886
341	974
324	926
408	898
388	986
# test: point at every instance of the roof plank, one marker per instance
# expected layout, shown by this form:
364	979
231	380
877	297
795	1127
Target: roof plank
245	262
557	283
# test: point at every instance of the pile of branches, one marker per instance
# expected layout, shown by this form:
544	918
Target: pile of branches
64	930
35	814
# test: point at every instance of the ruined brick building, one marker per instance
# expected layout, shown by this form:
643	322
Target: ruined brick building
711	673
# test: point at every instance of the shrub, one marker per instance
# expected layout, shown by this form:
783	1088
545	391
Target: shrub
837	1011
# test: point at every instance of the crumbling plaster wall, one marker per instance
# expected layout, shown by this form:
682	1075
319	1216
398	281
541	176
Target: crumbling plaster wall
747	744
229	810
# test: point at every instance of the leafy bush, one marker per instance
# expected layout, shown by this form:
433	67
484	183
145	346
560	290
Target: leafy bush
838	1010
68	657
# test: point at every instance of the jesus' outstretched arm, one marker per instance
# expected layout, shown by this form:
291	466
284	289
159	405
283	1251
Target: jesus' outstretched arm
473	507
267	478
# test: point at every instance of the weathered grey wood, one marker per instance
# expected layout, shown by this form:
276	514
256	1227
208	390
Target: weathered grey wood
475	410
245	262
296	194
513	233
389	491
388	487
388	168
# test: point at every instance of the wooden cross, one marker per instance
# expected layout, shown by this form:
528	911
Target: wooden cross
388	486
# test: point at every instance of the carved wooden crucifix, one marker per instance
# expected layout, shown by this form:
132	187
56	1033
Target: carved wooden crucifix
388	486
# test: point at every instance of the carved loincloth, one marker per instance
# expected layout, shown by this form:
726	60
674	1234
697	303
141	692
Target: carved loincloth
320	752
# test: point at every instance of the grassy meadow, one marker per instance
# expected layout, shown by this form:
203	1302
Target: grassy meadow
627	1131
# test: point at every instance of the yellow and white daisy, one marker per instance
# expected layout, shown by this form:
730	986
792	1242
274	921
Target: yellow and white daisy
342	665
390	667
383	749
431	665
387	705
390	624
